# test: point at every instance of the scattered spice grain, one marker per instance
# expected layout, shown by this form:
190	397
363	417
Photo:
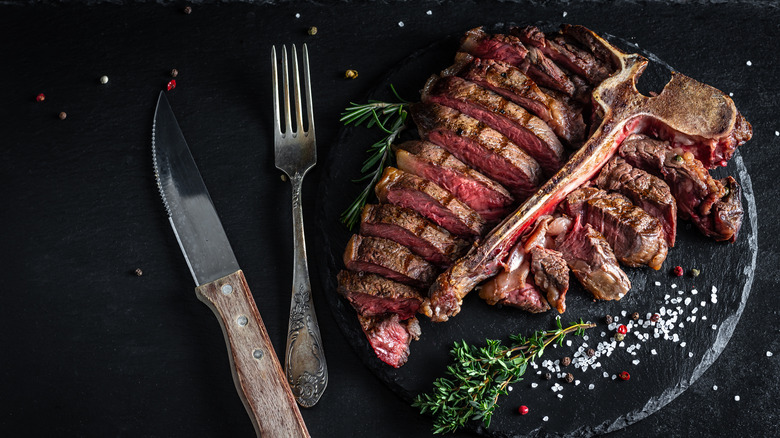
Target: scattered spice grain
174	73
40	97
188	10
63	115
350	74
569	377
523	410
566	361
138	272
312	31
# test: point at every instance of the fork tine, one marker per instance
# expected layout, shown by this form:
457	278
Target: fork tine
297	89
286	83
275	79
307	85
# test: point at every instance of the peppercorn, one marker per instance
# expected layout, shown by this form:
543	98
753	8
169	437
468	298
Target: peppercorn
566	361
635	316
351	74
622	329
619	336
312	30
655	317
523	409
591	352
40	97
609	319
139	272
547	376
678	158
188	10
63	115
695	272
283	177
569	377
174	73
171	84
624	375
677	271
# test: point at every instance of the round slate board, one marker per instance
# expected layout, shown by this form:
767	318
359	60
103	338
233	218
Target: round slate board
660	369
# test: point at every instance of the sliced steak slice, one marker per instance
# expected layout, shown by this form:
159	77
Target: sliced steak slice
514	85
427	198
647	191
388	259
513	287
551	275
594	264
562	51
483	148
506	48
546	73
700	198
635	237
372	295
412	230
524	129
426	160
390	337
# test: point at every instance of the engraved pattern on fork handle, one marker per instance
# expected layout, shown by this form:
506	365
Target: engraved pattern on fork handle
305	366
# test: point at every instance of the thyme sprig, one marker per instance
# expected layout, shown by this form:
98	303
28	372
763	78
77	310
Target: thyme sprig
391	119
479	375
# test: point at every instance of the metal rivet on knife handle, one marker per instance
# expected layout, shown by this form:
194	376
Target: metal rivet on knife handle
227	289
257	354
242	320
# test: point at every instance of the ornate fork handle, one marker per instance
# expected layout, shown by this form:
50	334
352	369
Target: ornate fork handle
305	364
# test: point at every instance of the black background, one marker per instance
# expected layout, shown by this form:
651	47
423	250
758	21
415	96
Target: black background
90	349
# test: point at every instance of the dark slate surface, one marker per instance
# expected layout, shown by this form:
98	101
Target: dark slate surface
89	349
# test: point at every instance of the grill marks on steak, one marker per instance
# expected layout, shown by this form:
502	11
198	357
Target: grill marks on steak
389	259
714	206
427	198
594	264
649	192
635	237
482	147
372	295
390	337
508	81
524	129
426	160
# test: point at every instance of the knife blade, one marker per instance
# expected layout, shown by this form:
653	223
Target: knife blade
257	373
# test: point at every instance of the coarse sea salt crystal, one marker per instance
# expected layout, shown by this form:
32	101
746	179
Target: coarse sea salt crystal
674	285
565	13
714	387
714	326
653	352
714	299
777	133
534	385
606	374
683	344
560	395
736	398
568	343
657	283
400	24
545	418
591	386
714	289
703	303
769	354
749	63
704	317
509	388
687	301
694	291
690	354
429	12
297	15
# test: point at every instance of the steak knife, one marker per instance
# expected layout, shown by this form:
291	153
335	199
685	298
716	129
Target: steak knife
257	373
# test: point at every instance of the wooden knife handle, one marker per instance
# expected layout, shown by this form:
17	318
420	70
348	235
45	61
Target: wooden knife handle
258	376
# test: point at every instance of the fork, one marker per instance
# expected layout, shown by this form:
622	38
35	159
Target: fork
295	153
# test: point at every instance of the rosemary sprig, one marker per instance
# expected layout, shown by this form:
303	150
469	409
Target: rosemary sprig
472	385
391	119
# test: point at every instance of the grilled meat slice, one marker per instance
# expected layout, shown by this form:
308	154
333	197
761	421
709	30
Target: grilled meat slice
551	275
389	259
524	129
390	337
635	237
506	48
647	191
426	160
565	53
412	230
484	148
508	81
512	287
714	206
594	264
372	295
427	198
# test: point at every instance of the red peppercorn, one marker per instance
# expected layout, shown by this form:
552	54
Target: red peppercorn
40	97
523	409
622	329
624	375
655	317
171	84
677	271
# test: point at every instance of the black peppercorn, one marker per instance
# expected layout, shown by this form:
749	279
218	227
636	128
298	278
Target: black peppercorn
566	361
591	352
174	73
503	75
569	377
547	376
188	10
138	272
635	316
609	319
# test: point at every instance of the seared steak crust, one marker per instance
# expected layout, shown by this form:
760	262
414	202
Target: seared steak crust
524	129
390	337
372	295
413	231
647	191
714	206
389	259
482	147
635	237
426	160
594	264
